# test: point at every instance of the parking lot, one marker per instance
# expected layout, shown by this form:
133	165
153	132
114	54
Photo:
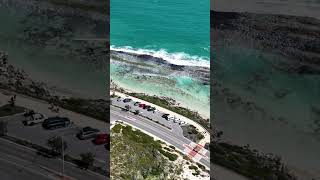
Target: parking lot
38	135
155	115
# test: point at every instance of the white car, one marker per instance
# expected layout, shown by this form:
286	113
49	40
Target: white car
34	119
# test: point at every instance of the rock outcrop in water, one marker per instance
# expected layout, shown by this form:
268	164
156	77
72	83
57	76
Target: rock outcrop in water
139	60
297	39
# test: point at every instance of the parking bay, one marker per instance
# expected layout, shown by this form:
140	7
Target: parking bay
37	135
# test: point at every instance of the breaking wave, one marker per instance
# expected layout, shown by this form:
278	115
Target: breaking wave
178	58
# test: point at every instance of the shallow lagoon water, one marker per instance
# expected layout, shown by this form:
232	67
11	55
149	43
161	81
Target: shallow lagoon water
175	31
185	90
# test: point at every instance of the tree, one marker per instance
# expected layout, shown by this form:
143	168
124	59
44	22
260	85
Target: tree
57	144
3	128
127	107
87	160
137	112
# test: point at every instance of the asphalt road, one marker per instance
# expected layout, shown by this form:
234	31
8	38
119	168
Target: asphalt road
21	163
173	136
169	136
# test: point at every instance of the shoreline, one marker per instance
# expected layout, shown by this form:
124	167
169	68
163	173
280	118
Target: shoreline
184	100
174	102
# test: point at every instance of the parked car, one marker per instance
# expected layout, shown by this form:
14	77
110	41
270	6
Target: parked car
36	118
142	105
87	133
151	109
56	122
136	103
146	107
101	139
165	116
127	100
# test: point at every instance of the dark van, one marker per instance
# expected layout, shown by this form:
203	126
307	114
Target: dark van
55	122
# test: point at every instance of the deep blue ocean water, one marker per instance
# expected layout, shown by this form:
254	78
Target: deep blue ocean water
177	31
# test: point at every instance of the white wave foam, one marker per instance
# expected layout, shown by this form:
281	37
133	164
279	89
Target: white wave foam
179	58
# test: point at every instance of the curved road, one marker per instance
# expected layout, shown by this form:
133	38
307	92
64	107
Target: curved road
157	130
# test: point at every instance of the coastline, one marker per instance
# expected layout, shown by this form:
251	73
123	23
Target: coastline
142	73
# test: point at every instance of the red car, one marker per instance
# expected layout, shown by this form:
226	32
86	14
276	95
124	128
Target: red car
101	139
142	105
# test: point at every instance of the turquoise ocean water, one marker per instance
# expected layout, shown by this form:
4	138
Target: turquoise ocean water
177	31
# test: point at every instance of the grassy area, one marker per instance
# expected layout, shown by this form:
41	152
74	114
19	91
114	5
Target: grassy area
136	155
93	108
7	110
177	109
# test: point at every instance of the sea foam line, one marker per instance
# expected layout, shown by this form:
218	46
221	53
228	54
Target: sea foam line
179	58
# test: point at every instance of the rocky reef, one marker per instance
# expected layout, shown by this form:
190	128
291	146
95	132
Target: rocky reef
143	62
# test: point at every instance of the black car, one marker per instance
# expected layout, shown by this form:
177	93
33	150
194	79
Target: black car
56	122
87	133
165	116
151	109
136	103
146	107
127	100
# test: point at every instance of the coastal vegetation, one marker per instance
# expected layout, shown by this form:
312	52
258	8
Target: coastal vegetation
249	163
95	108
95	6
136	155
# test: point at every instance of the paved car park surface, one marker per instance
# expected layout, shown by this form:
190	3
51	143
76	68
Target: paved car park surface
38	135
154	115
